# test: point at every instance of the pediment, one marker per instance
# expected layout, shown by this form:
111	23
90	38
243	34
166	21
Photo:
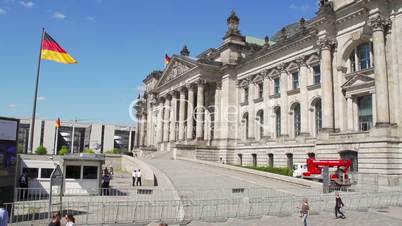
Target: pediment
358	80
175	69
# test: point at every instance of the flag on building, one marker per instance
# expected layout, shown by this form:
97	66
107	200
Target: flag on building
51	50
58	123
167	59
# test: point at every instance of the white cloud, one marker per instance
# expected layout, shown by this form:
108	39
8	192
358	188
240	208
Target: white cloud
90	18
59	15
12	105
2	12
41	98
303	7
27	4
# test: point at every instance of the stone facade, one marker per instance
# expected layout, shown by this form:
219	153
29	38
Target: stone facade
328	86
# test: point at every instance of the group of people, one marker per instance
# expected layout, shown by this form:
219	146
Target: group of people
305	209
137	177
56	220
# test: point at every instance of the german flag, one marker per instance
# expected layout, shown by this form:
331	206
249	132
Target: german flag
167	59
51	50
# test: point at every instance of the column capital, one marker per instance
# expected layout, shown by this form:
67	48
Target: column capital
219	85
190	86
182	89
326	43
301	61
282	68
379	23
201	82
172	93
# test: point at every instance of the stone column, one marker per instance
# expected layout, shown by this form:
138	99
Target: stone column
166	116
143	124
173	117
303	78
159	133
267	108
326	45
378	25
284	101
190	112
200	110
350	113
251	111
182	113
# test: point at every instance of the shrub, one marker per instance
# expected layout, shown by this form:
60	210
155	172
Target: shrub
41	150
89	151
114	151
277	170
64	150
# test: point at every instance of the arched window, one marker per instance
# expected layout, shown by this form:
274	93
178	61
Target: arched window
260	124
296	119
318	116
278	121
361	57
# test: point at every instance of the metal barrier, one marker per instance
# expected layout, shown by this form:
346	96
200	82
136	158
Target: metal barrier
186	210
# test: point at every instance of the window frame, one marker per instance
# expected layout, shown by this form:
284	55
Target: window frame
316	74
277	86
84	177
260	86
295	80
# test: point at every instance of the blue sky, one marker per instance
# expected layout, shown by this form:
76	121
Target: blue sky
117	43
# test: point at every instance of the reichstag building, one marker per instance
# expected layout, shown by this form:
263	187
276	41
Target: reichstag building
328	87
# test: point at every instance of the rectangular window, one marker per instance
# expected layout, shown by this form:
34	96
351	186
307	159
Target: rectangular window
90	172
295	80
365	112
278	122
260	90
32	172
317	74
73	172
363	54
245	94
352	60
277	89
45	172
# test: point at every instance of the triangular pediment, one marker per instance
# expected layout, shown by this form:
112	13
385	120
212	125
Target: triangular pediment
177	67
358	80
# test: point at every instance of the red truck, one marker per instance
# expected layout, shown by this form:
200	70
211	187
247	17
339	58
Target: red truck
339	178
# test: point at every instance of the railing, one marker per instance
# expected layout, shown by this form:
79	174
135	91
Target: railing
185	210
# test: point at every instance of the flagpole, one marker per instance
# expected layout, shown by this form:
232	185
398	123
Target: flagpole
36	94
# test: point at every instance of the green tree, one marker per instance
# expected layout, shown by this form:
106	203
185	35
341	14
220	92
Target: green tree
41	150
64	150
89	151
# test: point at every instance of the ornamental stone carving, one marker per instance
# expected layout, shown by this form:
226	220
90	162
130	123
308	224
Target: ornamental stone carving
326	43
177	69
379	23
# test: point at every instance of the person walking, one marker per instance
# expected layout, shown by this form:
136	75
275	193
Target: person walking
55	220
23	184
338	205
134	175
70	220
304	211
139	174
3	215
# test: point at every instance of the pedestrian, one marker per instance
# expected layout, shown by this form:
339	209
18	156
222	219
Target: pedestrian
70	220
55	220
338	205
105	171
139	174
106	184
23	184
111	171
3	215
304	211
134	175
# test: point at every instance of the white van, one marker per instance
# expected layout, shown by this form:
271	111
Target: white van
299	169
